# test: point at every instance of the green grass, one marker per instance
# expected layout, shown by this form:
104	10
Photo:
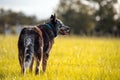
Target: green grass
71	58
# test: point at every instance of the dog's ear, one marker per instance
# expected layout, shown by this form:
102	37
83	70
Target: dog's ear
53	18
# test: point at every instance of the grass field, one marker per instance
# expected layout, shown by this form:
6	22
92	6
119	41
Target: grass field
71	58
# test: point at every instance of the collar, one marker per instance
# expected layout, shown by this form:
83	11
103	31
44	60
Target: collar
49	25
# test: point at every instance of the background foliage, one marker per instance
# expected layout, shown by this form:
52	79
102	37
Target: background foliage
95	17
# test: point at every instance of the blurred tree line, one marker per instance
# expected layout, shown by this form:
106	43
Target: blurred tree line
97	17
85	17
9	18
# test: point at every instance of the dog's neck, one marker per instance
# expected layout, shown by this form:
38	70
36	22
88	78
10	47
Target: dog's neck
52	27
49	25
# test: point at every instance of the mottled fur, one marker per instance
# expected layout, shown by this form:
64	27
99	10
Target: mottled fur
36	43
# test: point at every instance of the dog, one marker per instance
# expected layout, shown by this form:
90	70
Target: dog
35	43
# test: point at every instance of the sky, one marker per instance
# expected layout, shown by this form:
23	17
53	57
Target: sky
42	9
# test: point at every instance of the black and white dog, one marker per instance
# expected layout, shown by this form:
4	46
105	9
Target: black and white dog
36	43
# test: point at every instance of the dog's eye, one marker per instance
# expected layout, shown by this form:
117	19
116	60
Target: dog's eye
60	26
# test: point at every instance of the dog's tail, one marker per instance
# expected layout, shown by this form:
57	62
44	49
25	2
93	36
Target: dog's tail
29	51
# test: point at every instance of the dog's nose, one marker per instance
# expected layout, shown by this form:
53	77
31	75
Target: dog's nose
68	29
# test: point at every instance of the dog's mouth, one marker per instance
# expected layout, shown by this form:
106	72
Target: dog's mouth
65	31
62	32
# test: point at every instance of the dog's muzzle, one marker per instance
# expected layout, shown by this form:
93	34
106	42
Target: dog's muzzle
68	29
65	30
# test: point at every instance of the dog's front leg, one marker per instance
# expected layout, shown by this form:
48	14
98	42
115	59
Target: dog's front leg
44	61
39	56
46	55
37	66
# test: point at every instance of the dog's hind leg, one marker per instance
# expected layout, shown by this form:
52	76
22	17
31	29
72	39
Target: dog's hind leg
22	66
31	65
21	62
23	69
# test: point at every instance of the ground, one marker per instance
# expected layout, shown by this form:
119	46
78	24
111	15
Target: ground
71	58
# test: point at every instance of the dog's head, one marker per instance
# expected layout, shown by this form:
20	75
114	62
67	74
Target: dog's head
58	24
